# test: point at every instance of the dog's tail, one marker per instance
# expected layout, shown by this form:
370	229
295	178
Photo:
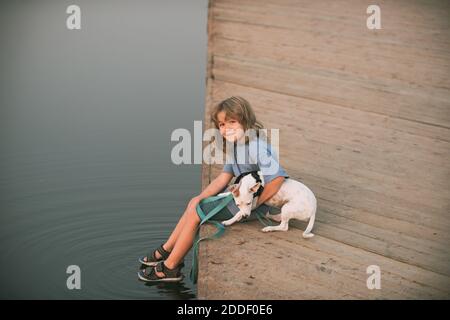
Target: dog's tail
307	233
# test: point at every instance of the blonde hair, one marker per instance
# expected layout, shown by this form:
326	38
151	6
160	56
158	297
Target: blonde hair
239	109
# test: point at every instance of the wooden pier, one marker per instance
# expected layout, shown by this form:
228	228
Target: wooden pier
364	119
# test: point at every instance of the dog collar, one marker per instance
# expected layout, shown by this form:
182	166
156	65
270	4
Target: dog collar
257	178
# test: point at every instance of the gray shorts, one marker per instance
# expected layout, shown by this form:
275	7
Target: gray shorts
232	209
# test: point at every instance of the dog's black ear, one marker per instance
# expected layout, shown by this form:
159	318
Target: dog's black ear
255	187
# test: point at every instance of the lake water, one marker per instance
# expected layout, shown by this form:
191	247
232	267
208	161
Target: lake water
85	124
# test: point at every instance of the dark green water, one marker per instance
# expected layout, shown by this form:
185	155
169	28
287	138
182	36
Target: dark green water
85	124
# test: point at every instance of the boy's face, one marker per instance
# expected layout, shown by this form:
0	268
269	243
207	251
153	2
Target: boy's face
229	128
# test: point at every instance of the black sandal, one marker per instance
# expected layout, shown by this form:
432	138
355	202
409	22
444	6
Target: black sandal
151	260
170	275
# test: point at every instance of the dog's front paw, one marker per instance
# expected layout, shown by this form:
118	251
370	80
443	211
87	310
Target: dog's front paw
226	223
266	229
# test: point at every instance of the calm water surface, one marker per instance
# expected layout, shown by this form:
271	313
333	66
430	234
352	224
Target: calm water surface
85	124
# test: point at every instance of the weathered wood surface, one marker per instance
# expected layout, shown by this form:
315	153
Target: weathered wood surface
364	119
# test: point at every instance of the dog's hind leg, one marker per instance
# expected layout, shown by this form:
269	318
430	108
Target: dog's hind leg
285	216
283	226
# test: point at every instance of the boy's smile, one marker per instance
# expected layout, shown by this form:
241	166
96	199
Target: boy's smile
230	128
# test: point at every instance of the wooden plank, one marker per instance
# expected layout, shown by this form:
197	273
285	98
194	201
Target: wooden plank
311	36
316	269
372	66
402	27
328	87
376	124
400	227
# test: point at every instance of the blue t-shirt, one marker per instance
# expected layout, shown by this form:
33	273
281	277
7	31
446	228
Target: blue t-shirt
257	155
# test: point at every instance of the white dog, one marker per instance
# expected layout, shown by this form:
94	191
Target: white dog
295	199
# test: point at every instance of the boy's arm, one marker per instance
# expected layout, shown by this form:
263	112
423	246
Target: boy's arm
270	189
212	189
216	185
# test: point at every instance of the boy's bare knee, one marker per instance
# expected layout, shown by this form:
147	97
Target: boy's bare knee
193	216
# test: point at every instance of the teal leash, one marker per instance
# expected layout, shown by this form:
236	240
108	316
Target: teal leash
206	218
261	217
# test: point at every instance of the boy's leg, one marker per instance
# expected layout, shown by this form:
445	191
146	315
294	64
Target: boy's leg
188	231
170	243
184	242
